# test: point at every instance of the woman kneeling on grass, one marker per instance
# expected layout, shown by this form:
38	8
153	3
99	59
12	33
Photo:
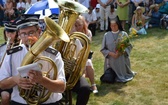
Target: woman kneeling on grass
118	61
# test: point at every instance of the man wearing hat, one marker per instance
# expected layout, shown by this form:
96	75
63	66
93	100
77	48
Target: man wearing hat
97	11
29	33
10	36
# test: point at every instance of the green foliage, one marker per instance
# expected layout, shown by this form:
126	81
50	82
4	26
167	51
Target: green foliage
123	43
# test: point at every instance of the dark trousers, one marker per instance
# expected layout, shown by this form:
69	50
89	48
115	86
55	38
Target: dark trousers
16	103
83	90
92	28
8	90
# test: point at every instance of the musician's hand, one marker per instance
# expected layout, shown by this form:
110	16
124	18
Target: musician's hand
35	76
23	83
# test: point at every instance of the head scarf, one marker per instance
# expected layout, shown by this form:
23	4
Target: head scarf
118	22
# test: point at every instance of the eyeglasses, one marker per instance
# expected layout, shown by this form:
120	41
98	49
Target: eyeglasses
30	33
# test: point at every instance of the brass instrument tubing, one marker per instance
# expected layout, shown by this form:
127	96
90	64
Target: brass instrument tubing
7	44
29	42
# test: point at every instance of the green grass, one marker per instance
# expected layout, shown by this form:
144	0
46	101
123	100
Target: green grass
149	58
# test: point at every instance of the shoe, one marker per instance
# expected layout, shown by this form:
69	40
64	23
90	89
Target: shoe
95	91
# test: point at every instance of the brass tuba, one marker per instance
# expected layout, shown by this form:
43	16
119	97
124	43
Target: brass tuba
74	66
39	94
75	63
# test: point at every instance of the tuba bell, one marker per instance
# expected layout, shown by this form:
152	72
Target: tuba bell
39	94
69	12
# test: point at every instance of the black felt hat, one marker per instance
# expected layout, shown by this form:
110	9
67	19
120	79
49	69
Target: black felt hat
10	26
27	20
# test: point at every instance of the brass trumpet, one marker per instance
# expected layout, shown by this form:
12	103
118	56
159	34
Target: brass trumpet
9	46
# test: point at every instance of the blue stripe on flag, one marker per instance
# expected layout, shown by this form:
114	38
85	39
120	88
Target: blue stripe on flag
55	10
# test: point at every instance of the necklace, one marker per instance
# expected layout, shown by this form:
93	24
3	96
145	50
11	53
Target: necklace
115	36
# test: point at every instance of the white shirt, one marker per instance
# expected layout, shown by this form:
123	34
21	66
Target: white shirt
28	5
21	4
97	13
90	17
16	58
104	1
112	15
33	1
79	48
2	51
85	3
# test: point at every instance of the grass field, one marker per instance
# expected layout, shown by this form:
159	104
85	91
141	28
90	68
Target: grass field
149	58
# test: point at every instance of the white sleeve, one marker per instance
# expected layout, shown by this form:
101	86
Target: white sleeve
90	35
60	67
94	16
23	5
78	46
5	70
17	6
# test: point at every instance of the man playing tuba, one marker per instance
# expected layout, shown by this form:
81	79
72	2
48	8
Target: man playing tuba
29	33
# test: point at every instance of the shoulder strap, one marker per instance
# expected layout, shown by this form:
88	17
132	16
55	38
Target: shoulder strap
51	51
14	50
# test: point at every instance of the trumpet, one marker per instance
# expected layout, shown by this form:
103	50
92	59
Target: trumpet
9	46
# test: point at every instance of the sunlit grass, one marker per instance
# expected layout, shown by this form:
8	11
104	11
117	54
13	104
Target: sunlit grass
149	59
